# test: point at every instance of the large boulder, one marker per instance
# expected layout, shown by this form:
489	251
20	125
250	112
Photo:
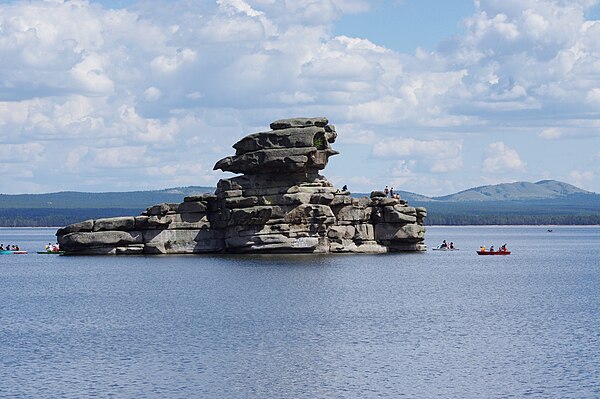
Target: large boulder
298	122
276	160
285	138
295	145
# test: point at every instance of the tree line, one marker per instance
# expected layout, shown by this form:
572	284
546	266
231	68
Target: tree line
38	217
463	220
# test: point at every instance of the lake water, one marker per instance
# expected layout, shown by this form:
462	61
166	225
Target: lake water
422	325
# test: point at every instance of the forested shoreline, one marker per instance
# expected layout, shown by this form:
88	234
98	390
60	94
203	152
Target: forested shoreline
56	217
53	217
64	208
511	220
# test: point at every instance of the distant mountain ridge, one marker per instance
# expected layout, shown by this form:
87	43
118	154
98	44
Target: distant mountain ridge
76	199
543	202
519	191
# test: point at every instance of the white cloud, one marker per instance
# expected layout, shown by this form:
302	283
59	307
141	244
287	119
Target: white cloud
401	173
353	182
152	94
582	179
593	95
118	157
146	129
438	156
535	24
91	75
238	6
195	95
172	62
296	97
402	147
177	77
20	153
75	156
501	158
551	133
403	169
349	135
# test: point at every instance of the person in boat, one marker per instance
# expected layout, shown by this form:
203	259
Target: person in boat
1	247
503	248
56	248
451	245
491	248
482	248
444	244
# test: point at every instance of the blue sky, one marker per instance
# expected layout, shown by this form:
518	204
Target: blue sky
405	25
427	96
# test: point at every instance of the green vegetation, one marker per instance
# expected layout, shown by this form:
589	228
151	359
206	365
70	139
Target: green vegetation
575	209
57	217
464	220
64	208
73	199
319	142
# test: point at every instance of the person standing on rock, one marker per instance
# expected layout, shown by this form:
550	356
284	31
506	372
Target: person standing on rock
392	192
386	191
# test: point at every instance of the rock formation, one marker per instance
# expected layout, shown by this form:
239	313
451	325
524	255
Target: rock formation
280	203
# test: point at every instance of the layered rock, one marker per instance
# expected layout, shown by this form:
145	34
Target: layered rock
280	203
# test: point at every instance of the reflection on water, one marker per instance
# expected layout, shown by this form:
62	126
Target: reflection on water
434	324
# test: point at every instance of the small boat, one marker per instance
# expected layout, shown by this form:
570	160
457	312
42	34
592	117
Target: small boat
5	252
445	249
493	252
50	252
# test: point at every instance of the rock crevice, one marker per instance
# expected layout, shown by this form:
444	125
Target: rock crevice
279	203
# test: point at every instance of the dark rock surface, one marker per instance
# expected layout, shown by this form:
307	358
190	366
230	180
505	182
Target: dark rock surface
280	203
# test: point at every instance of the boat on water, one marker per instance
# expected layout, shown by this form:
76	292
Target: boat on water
50	252
444	246
493	252
5	252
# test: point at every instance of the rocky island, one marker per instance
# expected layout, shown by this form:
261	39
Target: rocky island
278	204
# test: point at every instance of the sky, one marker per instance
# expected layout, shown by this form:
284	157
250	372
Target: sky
428	96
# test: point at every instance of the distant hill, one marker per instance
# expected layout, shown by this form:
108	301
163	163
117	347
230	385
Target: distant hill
544	202
520	191
572	209
67	207
124	200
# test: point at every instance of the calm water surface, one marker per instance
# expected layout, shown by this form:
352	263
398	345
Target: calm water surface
434	324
